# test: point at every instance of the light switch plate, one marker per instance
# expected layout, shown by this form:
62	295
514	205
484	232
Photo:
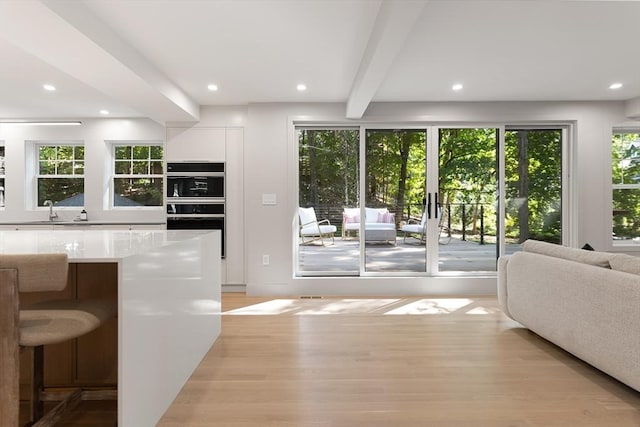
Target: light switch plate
269	199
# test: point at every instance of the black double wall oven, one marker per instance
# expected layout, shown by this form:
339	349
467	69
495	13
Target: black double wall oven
196	197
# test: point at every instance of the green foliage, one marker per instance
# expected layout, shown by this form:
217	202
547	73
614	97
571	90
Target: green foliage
143	160
396	175
59	189
64	165
467	175
143	191
542	172
395	168
625	156
328	167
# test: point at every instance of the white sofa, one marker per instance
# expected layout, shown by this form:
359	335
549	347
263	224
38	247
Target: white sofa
379	225
586	302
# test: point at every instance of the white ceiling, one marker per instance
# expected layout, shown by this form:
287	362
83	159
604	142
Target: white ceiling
154	58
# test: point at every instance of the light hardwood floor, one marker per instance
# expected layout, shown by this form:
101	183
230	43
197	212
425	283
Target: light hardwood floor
358	365
361	362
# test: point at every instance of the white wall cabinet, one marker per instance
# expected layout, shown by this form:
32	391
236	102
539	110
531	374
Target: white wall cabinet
195	144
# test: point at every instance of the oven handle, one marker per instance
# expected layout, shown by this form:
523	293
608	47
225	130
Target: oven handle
194	174
196	200
194	216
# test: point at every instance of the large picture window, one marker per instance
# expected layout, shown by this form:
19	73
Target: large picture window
137	175
625	173
60	176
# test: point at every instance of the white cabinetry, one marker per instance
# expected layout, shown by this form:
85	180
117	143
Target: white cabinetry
234	265
195	144
218	144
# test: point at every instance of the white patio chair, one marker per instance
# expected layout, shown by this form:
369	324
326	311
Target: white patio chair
415	229
312	230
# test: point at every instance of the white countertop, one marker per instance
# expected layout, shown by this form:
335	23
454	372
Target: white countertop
79	222
92	245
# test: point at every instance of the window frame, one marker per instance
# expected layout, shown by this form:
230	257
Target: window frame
113	145
618	131
37	145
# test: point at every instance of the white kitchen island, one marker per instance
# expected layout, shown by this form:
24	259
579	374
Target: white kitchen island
169	305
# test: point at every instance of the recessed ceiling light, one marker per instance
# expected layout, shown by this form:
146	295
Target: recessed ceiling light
457	86
212	87
301	87
615	85
104	112
49	87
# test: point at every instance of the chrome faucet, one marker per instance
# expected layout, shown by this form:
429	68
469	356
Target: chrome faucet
52	215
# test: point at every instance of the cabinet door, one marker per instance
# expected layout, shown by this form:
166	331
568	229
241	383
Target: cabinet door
234	262
195	144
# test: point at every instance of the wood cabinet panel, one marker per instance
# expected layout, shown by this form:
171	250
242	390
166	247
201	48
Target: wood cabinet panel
97	352
91	359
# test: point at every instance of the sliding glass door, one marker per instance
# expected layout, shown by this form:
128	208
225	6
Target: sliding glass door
328	186
425	201
467	203
394	193
534	181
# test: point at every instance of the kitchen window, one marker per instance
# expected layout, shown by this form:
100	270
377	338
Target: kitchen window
137	175
60	174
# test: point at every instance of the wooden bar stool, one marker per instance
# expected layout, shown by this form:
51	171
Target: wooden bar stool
44	323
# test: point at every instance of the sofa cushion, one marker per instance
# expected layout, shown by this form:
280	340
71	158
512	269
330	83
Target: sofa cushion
626	263
371	214
387	218
599	259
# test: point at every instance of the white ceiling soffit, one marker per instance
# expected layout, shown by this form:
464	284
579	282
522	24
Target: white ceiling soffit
393	24
73	40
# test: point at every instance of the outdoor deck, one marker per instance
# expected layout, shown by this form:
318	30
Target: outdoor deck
343	256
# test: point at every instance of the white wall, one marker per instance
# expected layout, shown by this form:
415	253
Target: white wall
270	168
94	133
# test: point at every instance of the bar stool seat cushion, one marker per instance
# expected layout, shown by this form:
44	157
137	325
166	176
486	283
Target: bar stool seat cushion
56	321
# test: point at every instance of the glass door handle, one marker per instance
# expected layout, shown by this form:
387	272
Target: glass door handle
428	205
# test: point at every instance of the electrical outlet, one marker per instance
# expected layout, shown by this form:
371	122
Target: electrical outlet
265	259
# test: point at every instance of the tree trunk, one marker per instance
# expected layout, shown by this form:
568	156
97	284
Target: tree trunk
404	156
313	170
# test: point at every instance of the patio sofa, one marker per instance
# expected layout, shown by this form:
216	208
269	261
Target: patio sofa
585	302
379	225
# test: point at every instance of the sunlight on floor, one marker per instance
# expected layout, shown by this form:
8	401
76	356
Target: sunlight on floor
432	306
383	306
